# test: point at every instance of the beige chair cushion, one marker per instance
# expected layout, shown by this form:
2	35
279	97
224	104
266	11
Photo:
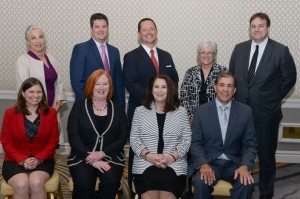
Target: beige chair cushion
222	188
51	185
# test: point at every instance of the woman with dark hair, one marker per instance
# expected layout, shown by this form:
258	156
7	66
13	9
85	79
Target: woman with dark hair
160	138
98	131
29	136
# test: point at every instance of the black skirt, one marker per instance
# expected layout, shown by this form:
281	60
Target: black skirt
155	178
10	168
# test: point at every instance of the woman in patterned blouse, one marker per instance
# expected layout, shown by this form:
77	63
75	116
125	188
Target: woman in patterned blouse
198	84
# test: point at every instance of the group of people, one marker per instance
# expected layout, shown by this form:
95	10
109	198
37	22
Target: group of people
200	134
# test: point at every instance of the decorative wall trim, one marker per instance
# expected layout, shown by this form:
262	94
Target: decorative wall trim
288	156
12	95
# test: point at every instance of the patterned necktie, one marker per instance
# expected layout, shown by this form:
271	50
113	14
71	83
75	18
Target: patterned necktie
104	58
224	121
154	61
251	70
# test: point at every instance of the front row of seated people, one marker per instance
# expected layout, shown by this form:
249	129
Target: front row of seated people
221	142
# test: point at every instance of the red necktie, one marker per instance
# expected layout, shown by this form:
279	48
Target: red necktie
104	58
154	61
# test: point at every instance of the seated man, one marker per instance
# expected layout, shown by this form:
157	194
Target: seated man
223	143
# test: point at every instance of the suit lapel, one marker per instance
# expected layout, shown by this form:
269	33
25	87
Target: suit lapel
147	59
214	120
95	51
111	58
262	66
245	64
232	120
20	120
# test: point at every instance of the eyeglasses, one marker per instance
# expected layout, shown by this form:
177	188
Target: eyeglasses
206	53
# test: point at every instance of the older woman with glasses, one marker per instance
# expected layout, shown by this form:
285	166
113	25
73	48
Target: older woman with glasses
198	84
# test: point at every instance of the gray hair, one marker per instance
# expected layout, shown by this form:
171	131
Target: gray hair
29	30
205	44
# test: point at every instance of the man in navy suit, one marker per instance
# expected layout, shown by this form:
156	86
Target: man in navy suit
273	76
139	68
86	58
223	143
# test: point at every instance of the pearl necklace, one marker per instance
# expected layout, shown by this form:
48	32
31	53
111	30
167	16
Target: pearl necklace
100	109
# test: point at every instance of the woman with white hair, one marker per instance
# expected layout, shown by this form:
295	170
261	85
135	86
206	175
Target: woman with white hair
198	84
36	63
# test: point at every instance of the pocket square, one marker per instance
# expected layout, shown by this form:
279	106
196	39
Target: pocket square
168	66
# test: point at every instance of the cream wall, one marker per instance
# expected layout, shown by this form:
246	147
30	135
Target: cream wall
181	25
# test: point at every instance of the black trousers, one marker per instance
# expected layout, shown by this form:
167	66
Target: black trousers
84	180
267	138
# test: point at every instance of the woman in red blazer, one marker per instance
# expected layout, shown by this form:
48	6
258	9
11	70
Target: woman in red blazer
29	136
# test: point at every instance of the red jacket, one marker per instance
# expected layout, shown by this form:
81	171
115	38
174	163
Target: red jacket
17	146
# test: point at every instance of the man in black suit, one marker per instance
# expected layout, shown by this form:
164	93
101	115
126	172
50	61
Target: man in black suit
223	143
139	68
262	83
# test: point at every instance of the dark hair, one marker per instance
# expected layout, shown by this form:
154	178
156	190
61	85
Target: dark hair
225	73
21	103
91	82
145	19
172	101
98	16
262	16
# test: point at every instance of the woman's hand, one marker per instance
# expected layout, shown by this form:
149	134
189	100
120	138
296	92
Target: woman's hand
31	163
58	105
101	166
94	157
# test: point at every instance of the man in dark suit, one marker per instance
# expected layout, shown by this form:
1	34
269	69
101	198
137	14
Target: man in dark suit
223	143
94	54
139	67
262	82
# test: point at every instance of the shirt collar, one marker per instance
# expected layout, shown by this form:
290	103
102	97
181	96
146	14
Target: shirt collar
218	104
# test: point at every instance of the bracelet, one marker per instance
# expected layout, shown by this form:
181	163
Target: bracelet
145	156
173	157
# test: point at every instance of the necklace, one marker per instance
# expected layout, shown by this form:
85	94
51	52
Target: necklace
100	109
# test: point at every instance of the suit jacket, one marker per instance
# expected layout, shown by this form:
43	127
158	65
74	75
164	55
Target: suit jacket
207	143
86	59
16	144
84	137
26	67
274	78
144	134
139	69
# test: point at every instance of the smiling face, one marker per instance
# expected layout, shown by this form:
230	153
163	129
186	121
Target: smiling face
36	41
225	89
259	30
160	90
33	95
206	56
101	88
99	30
148	33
